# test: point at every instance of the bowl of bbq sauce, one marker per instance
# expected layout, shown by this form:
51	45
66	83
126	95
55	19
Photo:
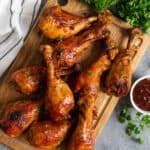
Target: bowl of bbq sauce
140	95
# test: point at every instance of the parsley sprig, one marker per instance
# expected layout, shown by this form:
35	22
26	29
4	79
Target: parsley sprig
27	73
100	4
135	124
59	53
135	12
59	39
89	72
122	75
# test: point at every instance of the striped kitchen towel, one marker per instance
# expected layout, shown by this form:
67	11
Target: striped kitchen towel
16	18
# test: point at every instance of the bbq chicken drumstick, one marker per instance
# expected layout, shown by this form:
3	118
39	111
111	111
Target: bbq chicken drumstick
68	51
18	116
59	99
29	80
87	85
57	23
118	80
48	134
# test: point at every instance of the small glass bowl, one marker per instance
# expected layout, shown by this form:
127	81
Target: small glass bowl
131	96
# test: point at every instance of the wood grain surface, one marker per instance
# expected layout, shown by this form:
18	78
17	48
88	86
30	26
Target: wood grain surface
29	55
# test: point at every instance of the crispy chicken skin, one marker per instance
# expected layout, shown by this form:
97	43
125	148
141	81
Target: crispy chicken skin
68	51
87	85
57	23
88	79
59	98
48	134
118	80
18	116
29	80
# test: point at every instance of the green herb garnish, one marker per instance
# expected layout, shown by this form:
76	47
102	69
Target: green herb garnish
136	124
122	74
59	142
38	110
59	39
135	12
140	141
59	53
27	73
89	72
100	4
46	29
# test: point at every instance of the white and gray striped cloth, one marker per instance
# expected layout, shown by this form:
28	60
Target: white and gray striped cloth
16	18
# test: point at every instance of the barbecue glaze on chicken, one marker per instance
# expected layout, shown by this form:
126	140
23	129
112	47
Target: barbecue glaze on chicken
118	80
87	86
57	23
59	97
18	116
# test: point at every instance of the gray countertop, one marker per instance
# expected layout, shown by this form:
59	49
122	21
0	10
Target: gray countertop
113	136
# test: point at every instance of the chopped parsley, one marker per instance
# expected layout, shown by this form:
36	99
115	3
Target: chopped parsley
59	53
38	110
140	141
100	4
59	142
89	72
46	29
59	39
122	74
135	12
135	123
27	73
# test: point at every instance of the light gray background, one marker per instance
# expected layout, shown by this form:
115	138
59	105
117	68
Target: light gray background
113	136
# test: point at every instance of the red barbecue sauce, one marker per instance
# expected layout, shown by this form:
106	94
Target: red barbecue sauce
141	94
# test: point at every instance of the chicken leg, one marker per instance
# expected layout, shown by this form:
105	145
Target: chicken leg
60	99
29	80
67	52
118	80
87	85
57	23
48	134
18	116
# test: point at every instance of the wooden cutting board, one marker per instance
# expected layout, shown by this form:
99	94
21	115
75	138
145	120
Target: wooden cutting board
29	56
